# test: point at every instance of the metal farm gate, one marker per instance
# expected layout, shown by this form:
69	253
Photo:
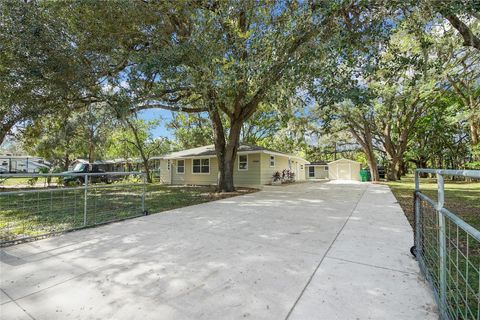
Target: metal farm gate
448	250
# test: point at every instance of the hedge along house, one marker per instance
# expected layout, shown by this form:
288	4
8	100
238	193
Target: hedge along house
344	169
254	166
316	170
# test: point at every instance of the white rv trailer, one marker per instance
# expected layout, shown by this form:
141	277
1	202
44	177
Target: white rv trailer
22	164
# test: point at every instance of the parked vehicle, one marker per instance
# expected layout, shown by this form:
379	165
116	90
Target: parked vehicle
85	167
381	172
23	164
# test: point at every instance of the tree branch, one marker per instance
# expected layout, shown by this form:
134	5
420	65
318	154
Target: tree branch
171	108
469	38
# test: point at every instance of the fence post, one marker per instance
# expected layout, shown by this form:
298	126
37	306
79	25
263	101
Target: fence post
85	201
418	242
442	243
144	190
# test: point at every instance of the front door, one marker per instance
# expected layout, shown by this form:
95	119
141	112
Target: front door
311	172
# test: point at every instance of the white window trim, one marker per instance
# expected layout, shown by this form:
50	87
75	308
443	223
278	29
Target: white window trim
238	165
183	166
270	161
202	173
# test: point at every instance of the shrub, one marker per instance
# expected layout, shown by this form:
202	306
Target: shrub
288	176
32	181
473	165
276	176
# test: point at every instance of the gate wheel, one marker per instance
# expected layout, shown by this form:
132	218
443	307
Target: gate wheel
413	251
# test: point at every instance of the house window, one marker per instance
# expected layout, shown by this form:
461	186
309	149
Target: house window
311	172
180	166
272	161
168	165
326	168
201	166
243	162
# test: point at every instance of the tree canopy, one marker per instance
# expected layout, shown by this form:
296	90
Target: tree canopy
381	77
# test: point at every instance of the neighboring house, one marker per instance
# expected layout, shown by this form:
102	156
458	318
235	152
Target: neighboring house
316	170
344	169
253	166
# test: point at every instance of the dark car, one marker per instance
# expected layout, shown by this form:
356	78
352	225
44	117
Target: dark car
84	167
381	172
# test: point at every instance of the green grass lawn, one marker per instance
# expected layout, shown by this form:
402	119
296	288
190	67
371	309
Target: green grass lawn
463	251
34	213
462	198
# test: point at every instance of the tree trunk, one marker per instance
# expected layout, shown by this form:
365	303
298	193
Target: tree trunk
367	147
226	150
91	151
147	170
372	165
402	168
421	163
3	134
474	135
474	132
226	162
5	129
139	145
66	161
393	169
364	138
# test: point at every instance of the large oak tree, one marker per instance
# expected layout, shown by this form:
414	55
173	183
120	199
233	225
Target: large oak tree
225	58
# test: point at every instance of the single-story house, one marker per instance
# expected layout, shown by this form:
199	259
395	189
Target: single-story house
254	166
316	170
344	169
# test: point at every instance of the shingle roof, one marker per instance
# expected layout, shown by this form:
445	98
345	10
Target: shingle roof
318	163
210	151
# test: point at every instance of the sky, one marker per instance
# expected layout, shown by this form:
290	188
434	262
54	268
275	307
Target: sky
165	115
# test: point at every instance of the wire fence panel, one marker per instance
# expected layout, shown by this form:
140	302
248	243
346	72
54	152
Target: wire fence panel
38	205
448	251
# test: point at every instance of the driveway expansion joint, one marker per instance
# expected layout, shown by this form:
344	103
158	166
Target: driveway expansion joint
371	265
326	253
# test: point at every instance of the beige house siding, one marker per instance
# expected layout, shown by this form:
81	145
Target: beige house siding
298	166
250	177
195	178
258	172
281	163
165	176
344	169
266	172
320	172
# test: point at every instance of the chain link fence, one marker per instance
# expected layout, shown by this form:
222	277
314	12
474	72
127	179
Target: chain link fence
448	250
36	205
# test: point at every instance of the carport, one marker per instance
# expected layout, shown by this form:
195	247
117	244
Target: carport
303	251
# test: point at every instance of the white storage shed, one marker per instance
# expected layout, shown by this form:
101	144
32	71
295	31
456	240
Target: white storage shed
344	169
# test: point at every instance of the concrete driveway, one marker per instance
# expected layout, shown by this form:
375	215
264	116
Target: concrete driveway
305	251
